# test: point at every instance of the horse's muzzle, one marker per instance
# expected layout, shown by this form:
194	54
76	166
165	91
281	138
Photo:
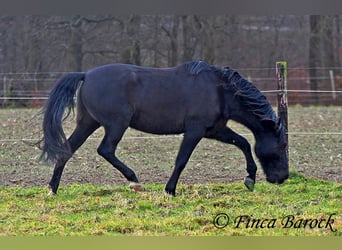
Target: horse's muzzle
277	179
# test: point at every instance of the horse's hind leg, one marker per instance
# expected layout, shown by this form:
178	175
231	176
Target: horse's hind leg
113	135
83	129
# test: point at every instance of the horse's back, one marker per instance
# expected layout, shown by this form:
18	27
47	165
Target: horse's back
155	100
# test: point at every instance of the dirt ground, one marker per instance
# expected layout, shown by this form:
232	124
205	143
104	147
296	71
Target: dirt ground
315	149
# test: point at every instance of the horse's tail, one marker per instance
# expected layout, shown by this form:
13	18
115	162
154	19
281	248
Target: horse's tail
55	144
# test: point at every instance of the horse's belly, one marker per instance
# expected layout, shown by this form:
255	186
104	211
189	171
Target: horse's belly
157	124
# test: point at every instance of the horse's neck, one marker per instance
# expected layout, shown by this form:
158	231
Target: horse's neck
250	121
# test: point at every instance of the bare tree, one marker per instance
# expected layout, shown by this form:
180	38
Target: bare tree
190	37
77	43
131	40
328	41
171	30
337	39
75	54
7	43
314	51
206	38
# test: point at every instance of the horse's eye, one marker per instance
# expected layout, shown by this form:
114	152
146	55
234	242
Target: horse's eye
274	156
283	146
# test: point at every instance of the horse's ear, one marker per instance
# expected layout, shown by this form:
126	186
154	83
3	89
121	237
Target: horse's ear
269	123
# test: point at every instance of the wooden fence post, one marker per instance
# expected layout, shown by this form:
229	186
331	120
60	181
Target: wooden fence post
281	72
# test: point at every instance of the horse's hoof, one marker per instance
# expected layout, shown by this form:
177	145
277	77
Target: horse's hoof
170	191
249	183
135	187
51	193
170	194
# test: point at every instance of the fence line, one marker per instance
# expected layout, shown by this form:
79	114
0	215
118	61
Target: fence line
261	68
37	73
23	98
161	137
303	91
263	91
50	76
31	88
254	79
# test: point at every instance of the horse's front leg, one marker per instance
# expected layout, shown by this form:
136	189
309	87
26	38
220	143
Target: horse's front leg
190	140
227	135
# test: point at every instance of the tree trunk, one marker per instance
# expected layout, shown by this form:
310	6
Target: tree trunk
131	50
207	38
187	46
328	41
74	52
314	53
338	44
172	34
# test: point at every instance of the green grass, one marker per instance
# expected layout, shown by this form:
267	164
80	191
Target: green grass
115	210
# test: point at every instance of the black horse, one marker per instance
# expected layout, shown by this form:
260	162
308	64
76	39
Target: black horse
193	98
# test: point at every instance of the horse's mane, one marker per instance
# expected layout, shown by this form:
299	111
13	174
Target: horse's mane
249	95
196	67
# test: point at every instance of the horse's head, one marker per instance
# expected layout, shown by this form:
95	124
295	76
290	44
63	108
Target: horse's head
271	149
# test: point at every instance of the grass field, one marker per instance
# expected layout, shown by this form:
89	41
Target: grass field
114	210
93	200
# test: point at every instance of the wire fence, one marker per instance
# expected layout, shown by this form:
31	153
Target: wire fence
162	137
29	89
32	89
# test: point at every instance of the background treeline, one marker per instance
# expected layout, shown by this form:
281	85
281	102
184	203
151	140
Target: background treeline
44	45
